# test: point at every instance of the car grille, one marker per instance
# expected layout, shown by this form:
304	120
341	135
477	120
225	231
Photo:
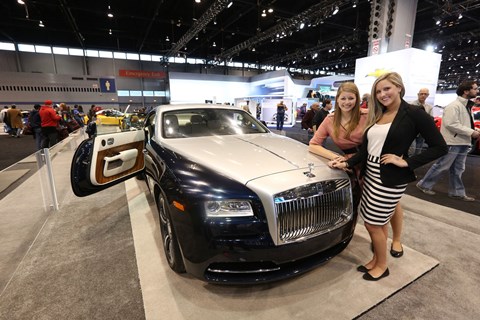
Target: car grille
313	209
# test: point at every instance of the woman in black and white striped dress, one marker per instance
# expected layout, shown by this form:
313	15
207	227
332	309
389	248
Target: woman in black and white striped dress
392	125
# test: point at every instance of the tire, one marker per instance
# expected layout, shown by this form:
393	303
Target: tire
169	238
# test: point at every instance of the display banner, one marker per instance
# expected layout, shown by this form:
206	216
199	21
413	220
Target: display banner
141	74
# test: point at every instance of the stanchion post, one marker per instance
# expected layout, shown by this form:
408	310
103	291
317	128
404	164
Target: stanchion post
43	158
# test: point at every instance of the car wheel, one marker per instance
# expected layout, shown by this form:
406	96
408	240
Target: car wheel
169	239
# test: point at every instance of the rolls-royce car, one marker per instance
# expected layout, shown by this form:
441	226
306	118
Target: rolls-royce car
236	203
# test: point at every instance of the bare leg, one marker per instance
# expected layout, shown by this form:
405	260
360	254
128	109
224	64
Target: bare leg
397	226
378	264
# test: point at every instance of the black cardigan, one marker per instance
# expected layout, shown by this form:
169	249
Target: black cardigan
407	124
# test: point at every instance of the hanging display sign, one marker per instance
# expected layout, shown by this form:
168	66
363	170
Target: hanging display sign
375	46
141	74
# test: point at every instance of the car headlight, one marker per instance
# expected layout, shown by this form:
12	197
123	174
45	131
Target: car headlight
228	208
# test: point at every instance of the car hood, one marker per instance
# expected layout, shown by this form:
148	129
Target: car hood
246	157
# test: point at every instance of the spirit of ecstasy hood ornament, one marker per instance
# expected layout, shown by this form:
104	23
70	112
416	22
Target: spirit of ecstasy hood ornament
309	172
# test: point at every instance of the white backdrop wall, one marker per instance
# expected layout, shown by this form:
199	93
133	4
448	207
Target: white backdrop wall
196	88
418	68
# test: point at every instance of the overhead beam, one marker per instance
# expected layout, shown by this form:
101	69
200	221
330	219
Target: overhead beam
205	19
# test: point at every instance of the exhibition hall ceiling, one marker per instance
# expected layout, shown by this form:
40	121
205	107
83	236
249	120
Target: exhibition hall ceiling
301	34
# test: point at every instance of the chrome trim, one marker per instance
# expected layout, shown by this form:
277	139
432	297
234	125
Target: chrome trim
243	271
312	210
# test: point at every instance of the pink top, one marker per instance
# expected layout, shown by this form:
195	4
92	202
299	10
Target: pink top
326	129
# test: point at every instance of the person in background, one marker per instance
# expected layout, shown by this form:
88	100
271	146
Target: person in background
311	94
3	113
345	127
4	119
36	124
49	120
92	128
365	99
392	125
302	110
78	115
246	108
281	109
477	102
15	118
307	120
91	113
322	113
458	130
422	94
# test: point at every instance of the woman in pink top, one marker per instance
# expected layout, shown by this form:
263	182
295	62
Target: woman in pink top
346	127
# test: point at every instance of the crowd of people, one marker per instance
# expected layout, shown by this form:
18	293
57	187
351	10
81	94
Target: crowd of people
48	123
375	136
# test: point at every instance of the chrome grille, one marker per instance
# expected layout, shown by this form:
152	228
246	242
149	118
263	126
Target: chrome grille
313	209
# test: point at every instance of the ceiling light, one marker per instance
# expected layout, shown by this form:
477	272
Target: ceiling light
336	10
270	10
167	39
302	25
109	31
109	13
214	44
264	14
253	49
460	16
198	1
230	4
20	2
40	24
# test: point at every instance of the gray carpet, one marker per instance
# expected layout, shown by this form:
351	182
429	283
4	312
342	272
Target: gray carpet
10	176
81	266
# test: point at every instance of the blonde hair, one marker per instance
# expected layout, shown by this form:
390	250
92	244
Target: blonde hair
337	116
376	108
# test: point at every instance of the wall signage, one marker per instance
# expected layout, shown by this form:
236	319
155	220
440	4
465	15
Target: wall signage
141	74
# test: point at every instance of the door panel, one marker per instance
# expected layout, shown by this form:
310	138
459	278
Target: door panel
107	160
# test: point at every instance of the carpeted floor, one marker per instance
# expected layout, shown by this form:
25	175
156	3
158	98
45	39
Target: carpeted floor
9	177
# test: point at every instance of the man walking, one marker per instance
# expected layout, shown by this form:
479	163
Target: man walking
458	130
422	94
15	117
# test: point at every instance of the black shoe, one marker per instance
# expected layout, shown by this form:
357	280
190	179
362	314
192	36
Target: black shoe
362	268
367	276
396	254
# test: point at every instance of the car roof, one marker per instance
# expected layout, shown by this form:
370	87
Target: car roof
174	107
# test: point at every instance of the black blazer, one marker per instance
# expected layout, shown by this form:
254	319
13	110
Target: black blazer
407	124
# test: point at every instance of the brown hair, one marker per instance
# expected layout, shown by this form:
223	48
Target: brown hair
337	116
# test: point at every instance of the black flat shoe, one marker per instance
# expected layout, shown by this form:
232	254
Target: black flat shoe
367	276
396	254
362	268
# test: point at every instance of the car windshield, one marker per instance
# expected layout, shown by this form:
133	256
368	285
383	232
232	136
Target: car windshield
208	122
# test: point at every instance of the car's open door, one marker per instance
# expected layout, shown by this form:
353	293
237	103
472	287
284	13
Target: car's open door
106	160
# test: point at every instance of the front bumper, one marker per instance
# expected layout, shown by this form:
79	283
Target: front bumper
239	262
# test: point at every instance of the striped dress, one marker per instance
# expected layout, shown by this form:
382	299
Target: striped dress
378	201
